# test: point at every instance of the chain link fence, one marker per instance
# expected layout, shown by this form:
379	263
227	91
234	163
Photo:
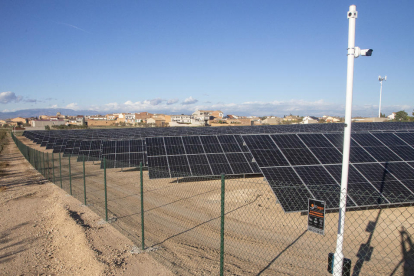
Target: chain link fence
233	225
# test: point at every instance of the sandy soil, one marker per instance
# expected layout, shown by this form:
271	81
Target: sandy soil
44	231
182	225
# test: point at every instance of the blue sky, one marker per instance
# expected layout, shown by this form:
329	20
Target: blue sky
242	57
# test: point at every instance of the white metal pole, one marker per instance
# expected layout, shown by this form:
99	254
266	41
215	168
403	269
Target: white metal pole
338	257
379	116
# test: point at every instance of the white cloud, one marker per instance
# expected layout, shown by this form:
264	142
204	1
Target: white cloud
190	100
172	101
156	101
54	106
6	110
73	106
8	97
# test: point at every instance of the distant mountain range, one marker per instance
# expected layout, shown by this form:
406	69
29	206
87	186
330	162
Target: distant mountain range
25	113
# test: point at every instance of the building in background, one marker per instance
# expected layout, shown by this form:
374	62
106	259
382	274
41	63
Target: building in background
310	120
50	123
272	120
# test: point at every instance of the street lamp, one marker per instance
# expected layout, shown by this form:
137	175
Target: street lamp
380	80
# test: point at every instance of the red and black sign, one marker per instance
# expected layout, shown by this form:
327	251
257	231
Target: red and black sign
316	216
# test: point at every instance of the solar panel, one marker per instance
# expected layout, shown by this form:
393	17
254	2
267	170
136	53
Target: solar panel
198	156
311	164
123	153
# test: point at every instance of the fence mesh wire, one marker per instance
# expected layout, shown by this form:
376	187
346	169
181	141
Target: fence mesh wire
182	218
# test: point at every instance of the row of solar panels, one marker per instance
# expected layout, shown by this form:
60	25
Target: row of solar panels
135	133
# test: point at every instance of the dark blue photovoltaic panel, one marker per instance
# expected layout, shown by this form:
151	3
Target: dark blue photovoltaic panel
180	171
407	137
159	161
359	189
382	154
321	184
238	163
259	142
359	155
156	150
338	140
241	143
177	160
288	141
315	141
198	155
292	199
374	172
173	141
366	140
198	159
300	157
327	155
192	145
389	139
404	152
200	170
269	158
193	149
282	177
174	150
217	158
219	169
253	164
385	183
400	170
315	175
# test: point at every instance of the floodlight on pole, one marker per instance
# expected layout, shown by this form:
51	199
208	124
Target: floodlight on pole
353	52
380	80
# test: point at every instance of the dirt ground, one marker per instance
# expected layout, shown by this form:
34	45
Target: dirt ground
43	231
182	224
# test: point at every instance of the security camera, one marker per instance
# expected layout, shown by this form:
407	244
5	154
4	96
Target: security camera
366	52
363	52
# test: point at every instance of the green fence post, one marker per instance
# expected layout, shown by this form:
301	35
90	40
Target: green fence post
40	163
53	167
142	206
44	165
60	171
106	198
70	176
84	180
222	226
48	166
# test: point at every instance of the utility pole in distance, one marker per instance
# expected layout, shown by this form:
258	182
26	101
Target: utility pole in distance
380	80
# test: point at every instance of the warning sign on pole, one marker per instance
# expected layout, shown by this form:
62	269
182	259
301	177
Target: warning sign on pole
316	216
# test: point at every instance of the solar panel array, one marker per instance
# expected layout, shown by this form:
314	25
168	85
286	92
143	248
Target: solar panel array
124	153
198	156
302	166
298	161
